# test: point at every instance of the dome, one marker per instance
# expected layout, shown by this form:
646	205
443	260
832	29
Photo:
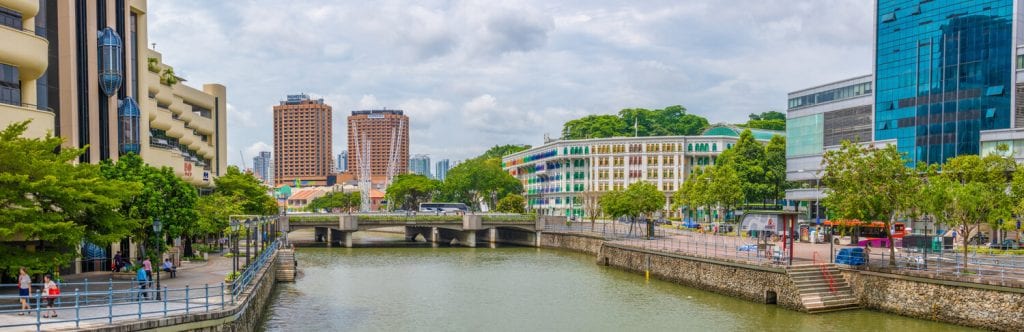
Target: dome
111	61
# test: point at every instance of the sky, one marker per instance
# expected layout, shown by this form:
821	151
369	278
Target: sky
474	74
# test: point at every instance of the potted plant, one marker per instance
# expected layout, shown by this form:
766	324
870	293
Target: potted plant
153	64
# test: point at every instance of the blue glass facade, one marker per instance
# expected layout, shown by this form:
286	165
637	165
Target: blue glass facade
943	74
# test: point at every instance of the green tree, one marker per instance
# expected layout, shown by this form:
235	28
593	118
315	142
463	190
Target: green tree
499	151
672	120
476	180
164	196
770	120
748	158
775	168
256	199
512	203
213	211
869	184
409	190
640	199
724	189
54	203
971	190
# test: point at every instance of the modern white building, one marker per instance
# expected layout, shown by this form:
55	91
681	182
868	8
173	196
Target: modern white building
556	175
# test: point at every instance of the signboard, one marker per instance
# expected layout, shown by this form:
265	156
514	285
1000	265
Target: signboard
206	176
188	169
760	222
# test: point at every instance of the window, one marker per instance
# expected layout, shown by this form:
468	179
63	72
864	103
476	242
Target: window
10	85
10	18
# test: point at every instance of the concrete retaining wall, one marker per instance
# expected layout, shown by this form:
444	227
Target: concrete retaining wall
977	305
574	242
749	282
246	315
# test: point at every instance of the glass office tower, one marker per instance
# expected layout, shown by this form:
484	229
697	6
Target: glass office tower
943	74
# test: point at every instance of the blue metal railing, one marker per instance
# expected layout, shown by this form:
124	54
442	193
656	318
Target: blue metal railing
243	280
99	301
137	303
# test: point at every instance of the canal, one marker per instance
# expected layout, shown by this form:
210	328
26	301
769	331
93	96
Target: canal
388	285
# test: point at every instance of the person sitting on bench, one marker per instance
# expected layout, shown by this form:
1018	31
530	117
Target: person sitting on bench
168	267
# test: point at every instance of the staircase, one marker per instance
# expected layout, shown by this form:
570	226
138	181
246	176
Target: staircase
286	265
822	288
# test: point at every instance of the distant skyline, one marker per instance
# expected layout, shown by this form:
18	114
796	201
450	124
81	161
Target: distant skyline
471	75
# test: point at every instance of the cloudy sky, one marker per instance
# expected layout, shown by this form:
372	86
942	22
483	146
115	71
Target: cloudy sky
473	74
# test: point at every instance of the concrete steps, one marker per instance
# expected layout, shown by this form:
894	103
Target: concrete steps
285	265
816	294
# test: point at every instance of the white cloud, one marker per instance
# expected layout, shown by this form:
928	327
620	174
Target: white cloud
474	74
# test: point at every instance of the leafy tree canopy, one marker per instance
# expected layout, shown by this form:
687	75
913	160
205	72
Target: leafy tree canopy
409	190
164	196
512	203
478	179
53	203
499	151
771	120
255	199
672	120
335	200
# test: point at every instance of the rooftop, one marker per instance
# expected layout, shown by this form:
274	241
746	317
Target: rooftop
381	111
723	129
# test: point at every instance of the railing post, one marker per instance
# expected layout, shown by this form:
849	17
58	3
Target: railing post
140	303
110	305
110	283
39	307
77	306
165	299
186	300
207	296
86	292
222	295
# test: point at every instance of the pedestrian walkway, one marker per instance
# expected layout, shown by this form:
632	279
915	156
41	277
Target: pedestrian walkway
103	305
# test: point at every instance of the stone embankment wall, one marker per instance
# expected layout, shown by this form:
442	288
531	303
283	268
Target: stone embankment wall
574	242
977	305
750	282
245	315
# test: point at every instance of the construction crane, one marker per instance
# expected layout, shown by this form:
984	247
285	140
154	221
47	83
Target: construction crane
362	155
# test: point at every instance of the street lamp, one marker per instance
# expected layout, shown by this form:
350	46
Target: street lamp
157	227
234	236
248	243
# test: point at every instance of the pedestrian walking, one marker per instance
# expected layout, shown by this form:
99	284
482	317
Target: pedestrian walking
148	266
867	252
52	292
24	290
143	281
117	262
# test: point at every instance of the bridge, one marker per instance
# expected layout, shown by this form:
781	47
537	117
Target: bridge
466	230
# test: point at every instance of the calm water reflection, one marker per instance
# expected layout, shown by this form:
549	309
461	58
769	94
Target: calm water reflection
427	288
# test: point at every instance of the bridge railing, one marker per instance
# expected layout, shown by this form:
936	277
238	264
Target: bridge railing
399	218
74	308
249	273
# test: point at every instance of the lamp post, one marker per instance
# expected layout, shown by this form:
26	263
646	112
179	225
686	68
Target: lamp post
234	239
157	227
248	237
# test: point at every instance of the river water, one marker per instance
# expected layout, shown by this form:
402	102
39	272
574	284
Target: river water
387	285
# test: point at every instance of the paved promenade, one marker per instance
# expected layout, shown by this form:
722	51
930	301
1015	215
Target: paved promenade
195	275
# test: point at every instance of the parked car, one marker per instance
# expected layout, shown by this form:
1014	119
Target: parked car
1006	244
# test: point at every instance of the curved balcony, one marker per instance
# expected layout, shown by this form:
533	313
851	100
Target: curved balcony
177	129
27	8
26	51
183	111
42	121
187	139
160	118
202	125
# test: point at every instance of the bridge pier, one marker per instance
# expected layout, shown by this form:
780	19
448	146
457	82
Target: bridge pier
320	234
518	237
466	238
427	232
341	237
